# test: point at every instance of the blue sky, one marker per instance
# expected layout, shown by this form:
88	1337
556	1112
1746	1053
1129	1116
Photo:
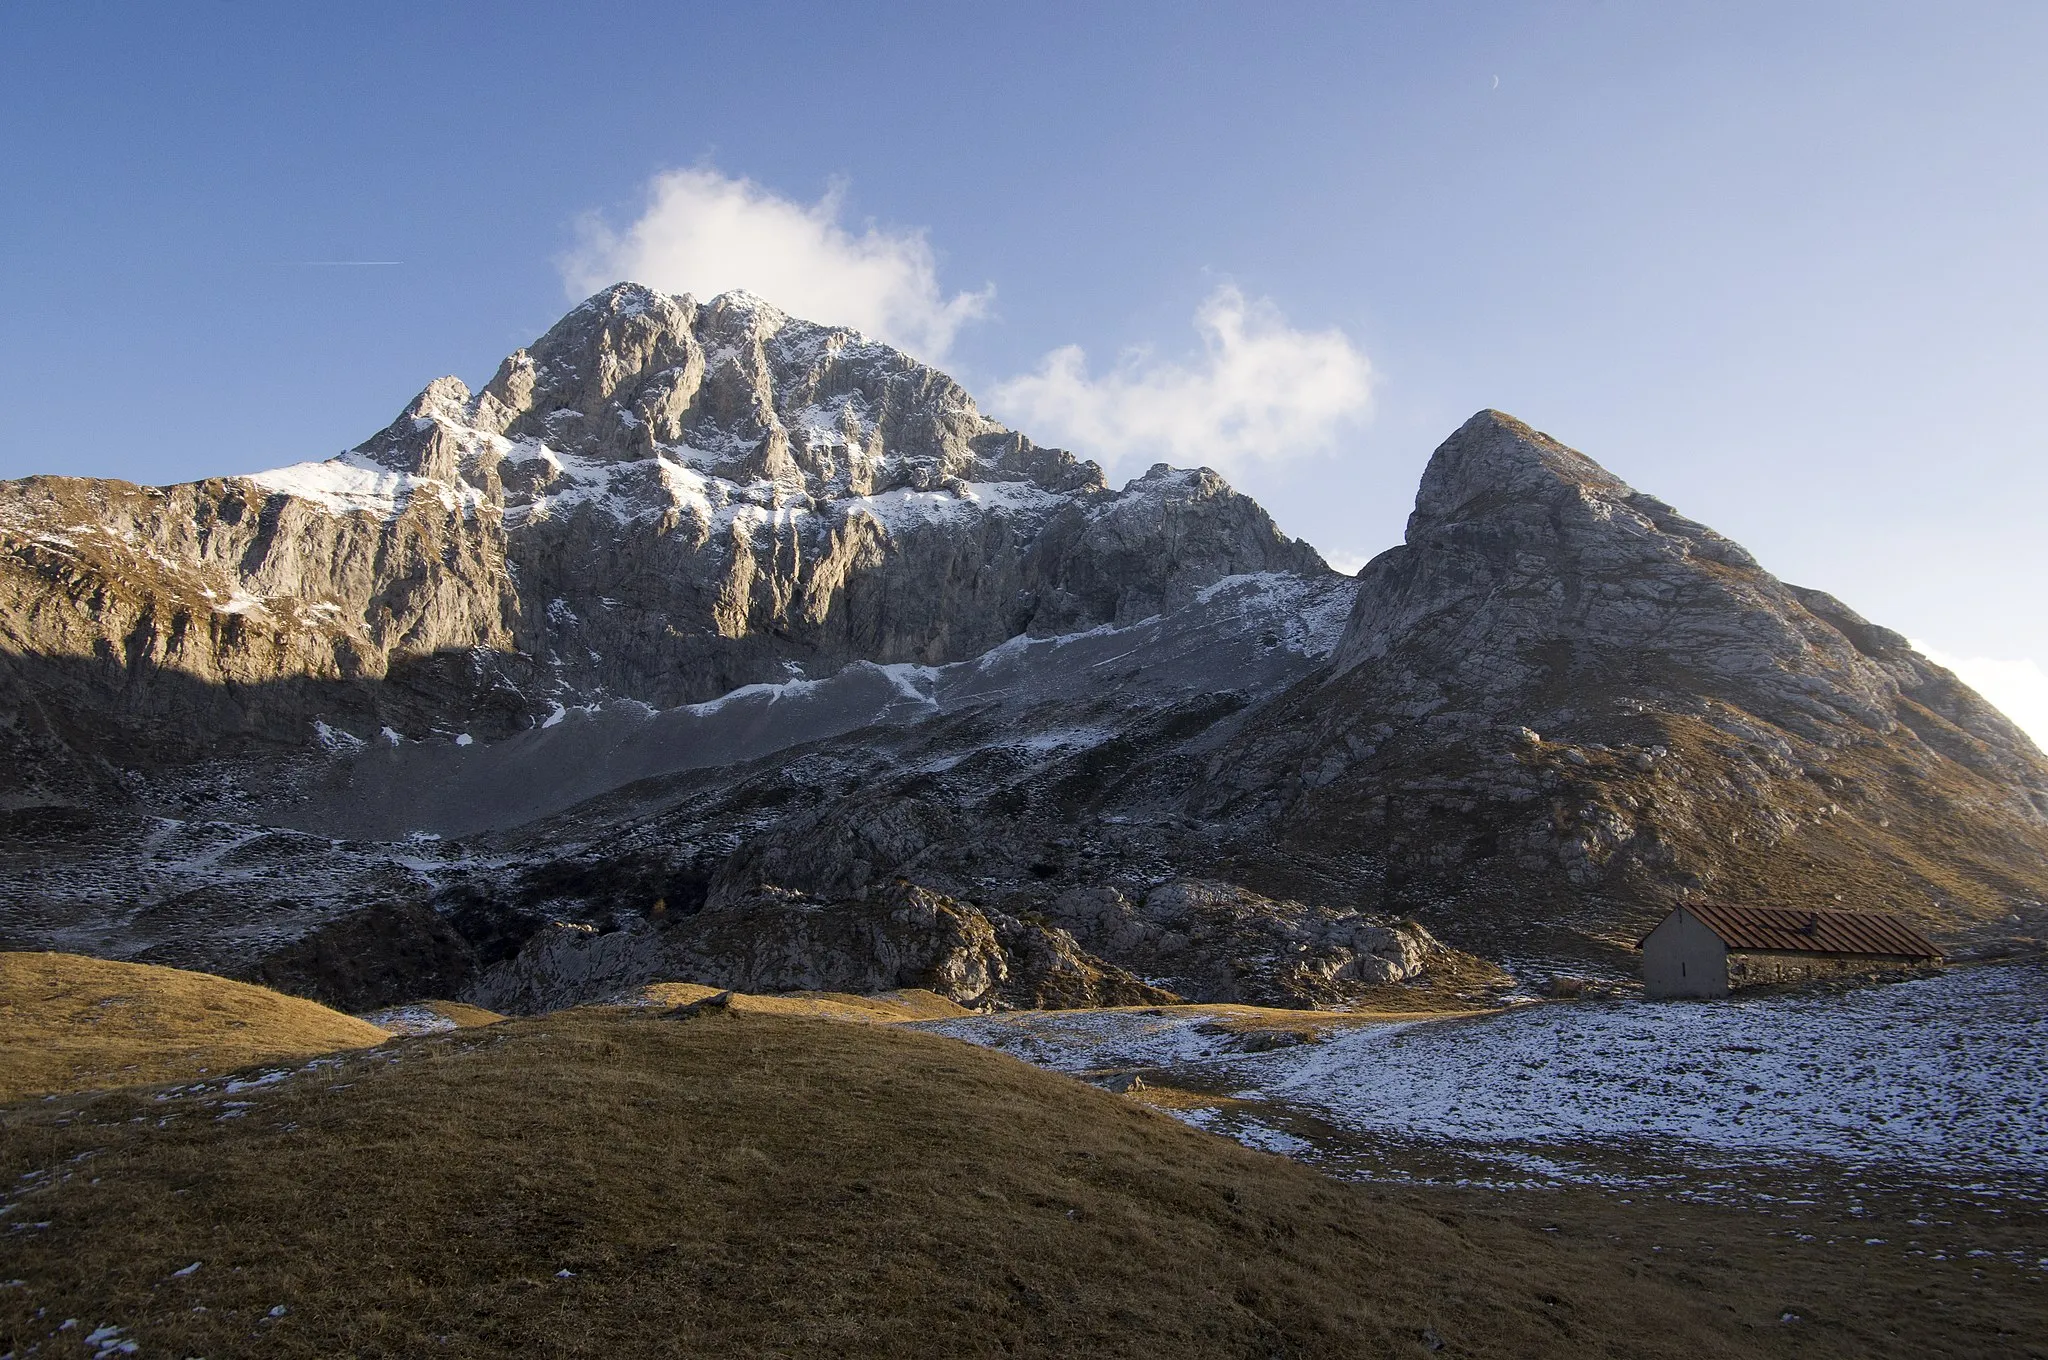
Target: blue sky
1778	263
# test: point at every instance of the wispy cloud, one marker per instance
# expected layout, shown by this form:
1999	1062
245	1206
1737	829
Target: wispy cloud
1261	391
2018	687
706	233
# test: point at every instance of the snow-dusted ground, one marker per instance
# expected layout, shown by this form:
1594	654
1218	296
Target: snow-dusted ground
411	1020
1945	1078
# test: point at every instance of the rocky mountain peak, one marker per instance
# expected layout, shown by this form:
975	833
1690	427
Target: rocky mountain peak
426	438
1496	470
1559	686
739	307
1494	457
735	388
1520	538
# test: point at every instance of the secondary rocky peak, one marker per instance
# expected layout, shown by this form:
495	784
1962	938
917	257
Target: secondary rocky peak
1498	472
425	440
1519	541
1184	528
739	311
1494	457
1559	689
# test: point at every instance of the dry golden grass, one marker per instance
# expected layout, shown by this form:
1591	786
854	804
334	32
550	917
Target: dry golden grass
913	1003
70	1023
1161	1096
612	1182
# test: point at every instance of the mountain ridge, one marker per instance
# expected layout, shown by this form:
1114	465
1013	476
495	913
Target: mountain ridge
703	641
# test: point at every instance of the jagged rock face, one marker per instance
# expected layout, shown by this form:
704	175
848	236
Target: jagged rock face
632	375
145	622
1562	704
662	500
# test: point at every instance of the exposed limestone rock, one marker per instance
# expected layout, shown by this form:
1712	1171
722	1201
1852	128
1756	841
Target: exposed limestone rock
1208	941
662	500
1562	706
1048	969
569	963
772	940
1222	943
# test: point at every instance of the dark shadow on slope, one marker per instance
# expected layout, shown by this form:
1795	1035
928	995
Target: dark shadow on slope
78	723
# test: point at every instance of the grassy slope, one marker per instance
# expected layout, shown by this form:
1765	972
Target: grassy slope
71	1023
758	1184
912	1003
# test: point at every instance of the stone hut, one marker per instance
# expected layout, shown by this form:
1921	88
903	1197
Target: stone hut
1701	950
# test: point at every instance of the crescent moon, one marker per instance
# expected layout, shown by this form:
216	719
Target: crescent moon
1496	82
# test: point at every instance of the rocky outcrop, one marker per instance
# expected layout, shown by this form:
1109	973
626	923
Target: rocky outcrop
387	953
1223	943
1561	707
1210	941
903	936
773	940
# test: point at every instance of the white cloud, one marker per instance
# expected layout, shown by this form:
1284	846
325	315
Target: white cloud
705	233
1262	391
2016	688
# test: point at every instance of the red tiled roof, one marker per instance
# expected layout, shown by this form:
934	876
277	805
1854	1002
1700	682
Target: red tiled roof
1799	930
